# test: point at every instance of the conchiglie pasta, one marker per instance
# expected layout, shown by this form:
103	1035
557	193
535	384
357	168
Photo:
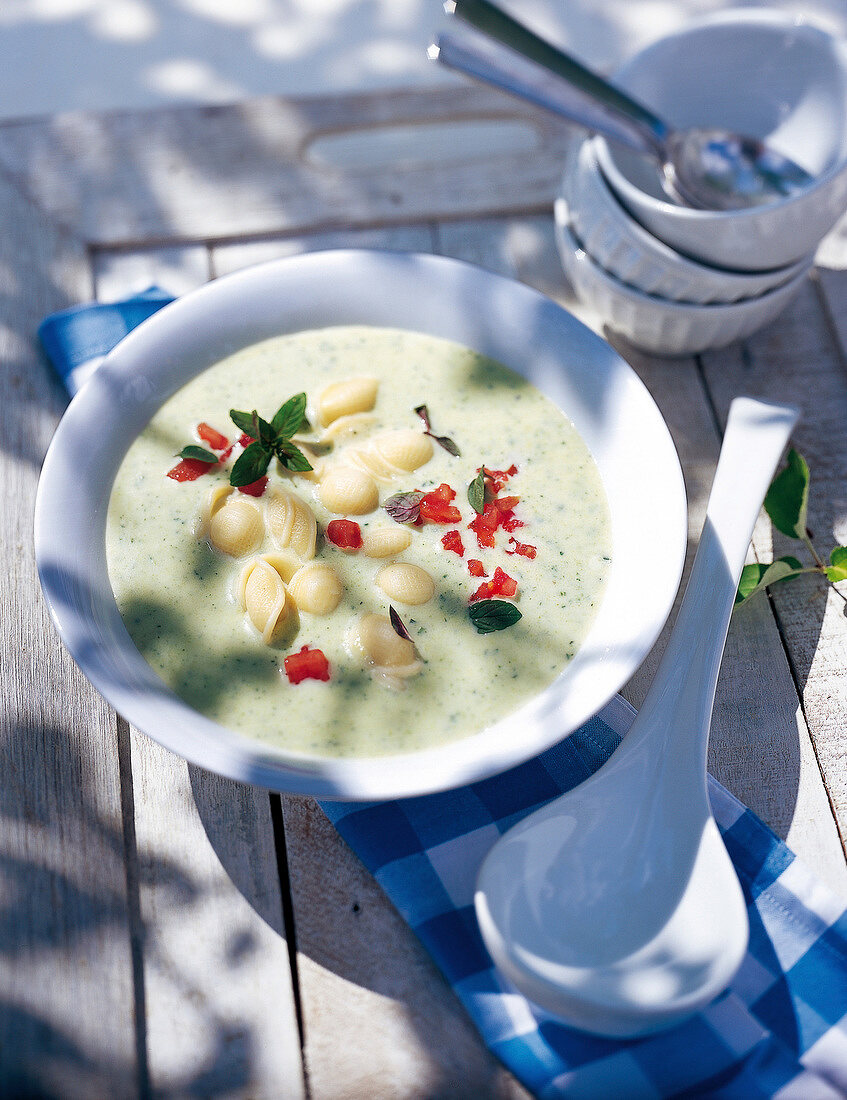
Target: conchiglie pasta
406	583
292	523
405	449
236	528
214	500
351	424
352	395
385	542
348	491
316	589
377	641
266	600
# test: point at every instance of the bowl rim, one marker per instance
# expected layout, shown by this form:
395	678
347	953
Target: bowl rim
767	17
586	160
315	290
642	298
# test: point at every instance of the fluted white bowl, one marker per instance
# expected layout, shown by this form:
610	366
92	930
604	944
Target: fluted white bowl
763	73
615	240
658	325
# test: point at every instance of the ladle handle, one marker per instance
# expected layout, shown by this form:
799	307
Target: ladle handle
683	689
497	24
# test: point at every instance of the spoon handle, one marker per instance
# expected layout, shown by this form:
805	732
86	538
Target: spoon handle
683	690
494	22
488	61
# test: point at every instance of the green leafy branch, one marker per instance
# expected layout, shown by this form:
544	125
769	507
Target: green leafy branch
787	504
269	440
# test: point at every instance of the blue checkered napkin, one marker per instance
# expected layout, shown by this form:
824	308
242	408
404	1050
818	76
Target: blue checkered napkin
780	1030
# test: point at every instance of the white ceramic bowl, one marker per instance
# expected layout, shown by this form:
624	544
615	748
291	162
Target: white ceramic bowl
658	325
602	395
622	247
757	72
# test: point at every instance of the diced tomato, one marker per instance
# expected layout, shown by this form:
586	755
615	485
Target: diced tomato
189	469
522	548
435	507
308	664
346	534
509	521
255	488
499	477
453	541
213	437
501	584
245	440
484	526
476	568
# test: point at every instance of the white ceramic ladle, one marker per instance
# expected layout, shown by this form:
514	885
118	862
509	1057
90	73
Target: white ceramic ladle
616	907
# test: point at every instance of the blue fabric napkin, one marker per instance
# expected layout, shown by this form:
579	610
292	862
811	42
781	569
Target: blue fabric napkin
779	1030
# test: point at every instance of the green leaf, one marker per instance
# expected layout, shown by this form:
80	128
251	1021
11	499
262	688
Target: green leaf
756	577
291	457
243	421
476	493
490	615
787	499
404	507
837	570
198	453
290	416
263	431
250	465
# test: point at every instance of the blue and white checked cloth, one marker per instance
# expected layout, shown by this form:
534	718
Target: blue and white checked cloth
779	1031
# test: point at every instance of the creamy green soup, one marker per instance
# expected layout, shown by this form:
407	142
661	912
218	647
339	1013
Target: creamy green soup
178	594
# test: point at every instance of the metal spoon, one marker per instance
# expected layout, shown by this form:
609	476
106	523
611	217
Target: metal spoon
616	906
708	168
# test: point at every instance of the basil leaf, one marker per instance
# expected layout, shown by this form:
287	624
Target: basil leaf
447	443
398	624
490	615
291	457
290	416
756	577
423	413
250	465
787	499
837	570
404	507
200	454
243	421
476	493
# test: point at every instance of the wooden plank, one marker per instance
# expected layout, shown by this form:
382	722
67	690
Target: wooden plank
219	1005
173	269
227	258
261	167
66	988
220	1014
796	359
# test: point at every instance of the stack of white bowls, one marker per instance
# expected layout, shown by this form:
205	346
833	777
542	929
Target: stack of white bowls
673	280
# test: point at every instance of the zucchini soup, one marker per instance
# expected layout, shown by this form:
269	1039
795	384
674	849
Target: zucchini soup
357	541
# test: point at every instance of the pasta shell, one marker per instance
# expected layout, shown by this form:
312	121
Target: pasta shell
266	600
351	424
236	528
285	562
372	463
406	583
377	641
348	491
316	588
292	523
352	395
385	542
214	500
404	448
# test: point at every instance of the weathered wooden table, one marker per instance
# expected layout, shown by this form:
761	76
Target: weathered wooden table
166	931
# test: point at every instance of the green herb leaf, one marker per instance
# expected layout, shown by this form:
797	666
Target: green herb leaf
756	577
263	432
198	453
250	465
837	570
447	443
490	615
787	499
476	493
289	417
404	507
291	457
243	421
